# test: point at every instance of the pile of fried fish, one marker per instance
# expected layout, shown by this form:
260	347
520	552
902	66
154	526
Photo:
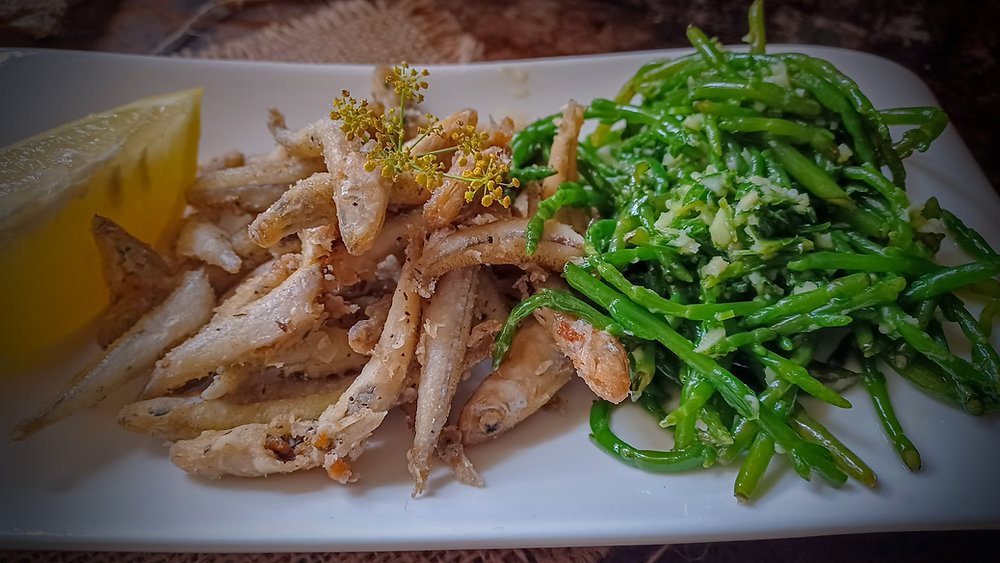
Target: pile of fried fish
305	296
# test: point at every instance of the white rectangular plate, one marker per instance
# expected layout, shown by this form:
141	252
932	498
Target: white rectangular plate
85	483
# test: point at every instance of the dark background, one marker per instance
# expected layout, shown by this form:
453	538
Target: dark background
953	45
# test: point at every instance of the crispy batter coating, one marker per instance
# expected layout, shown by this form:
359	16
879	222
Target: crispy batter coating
184	418
531	375
361	196
138	278
308	203
186	309
446	325
344	427
254	186
229	336
499	242
562	157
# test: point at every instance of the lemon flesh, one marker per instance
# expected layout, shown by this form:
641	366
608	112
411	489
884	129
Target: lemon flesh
131	164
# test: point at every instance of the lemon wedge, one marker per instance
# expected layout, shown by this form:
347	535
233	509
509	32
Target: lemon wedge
131	164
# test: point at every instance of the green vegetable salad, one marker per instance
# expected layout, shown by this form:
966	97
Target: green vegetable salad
752	206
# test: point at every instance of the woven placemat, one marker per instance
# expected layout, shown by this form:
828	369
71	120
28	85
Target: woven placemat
362	32
31	18
356	31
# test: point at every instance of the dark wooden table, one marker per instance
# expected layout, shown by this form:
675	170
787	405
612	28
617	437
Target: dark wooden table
952	46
